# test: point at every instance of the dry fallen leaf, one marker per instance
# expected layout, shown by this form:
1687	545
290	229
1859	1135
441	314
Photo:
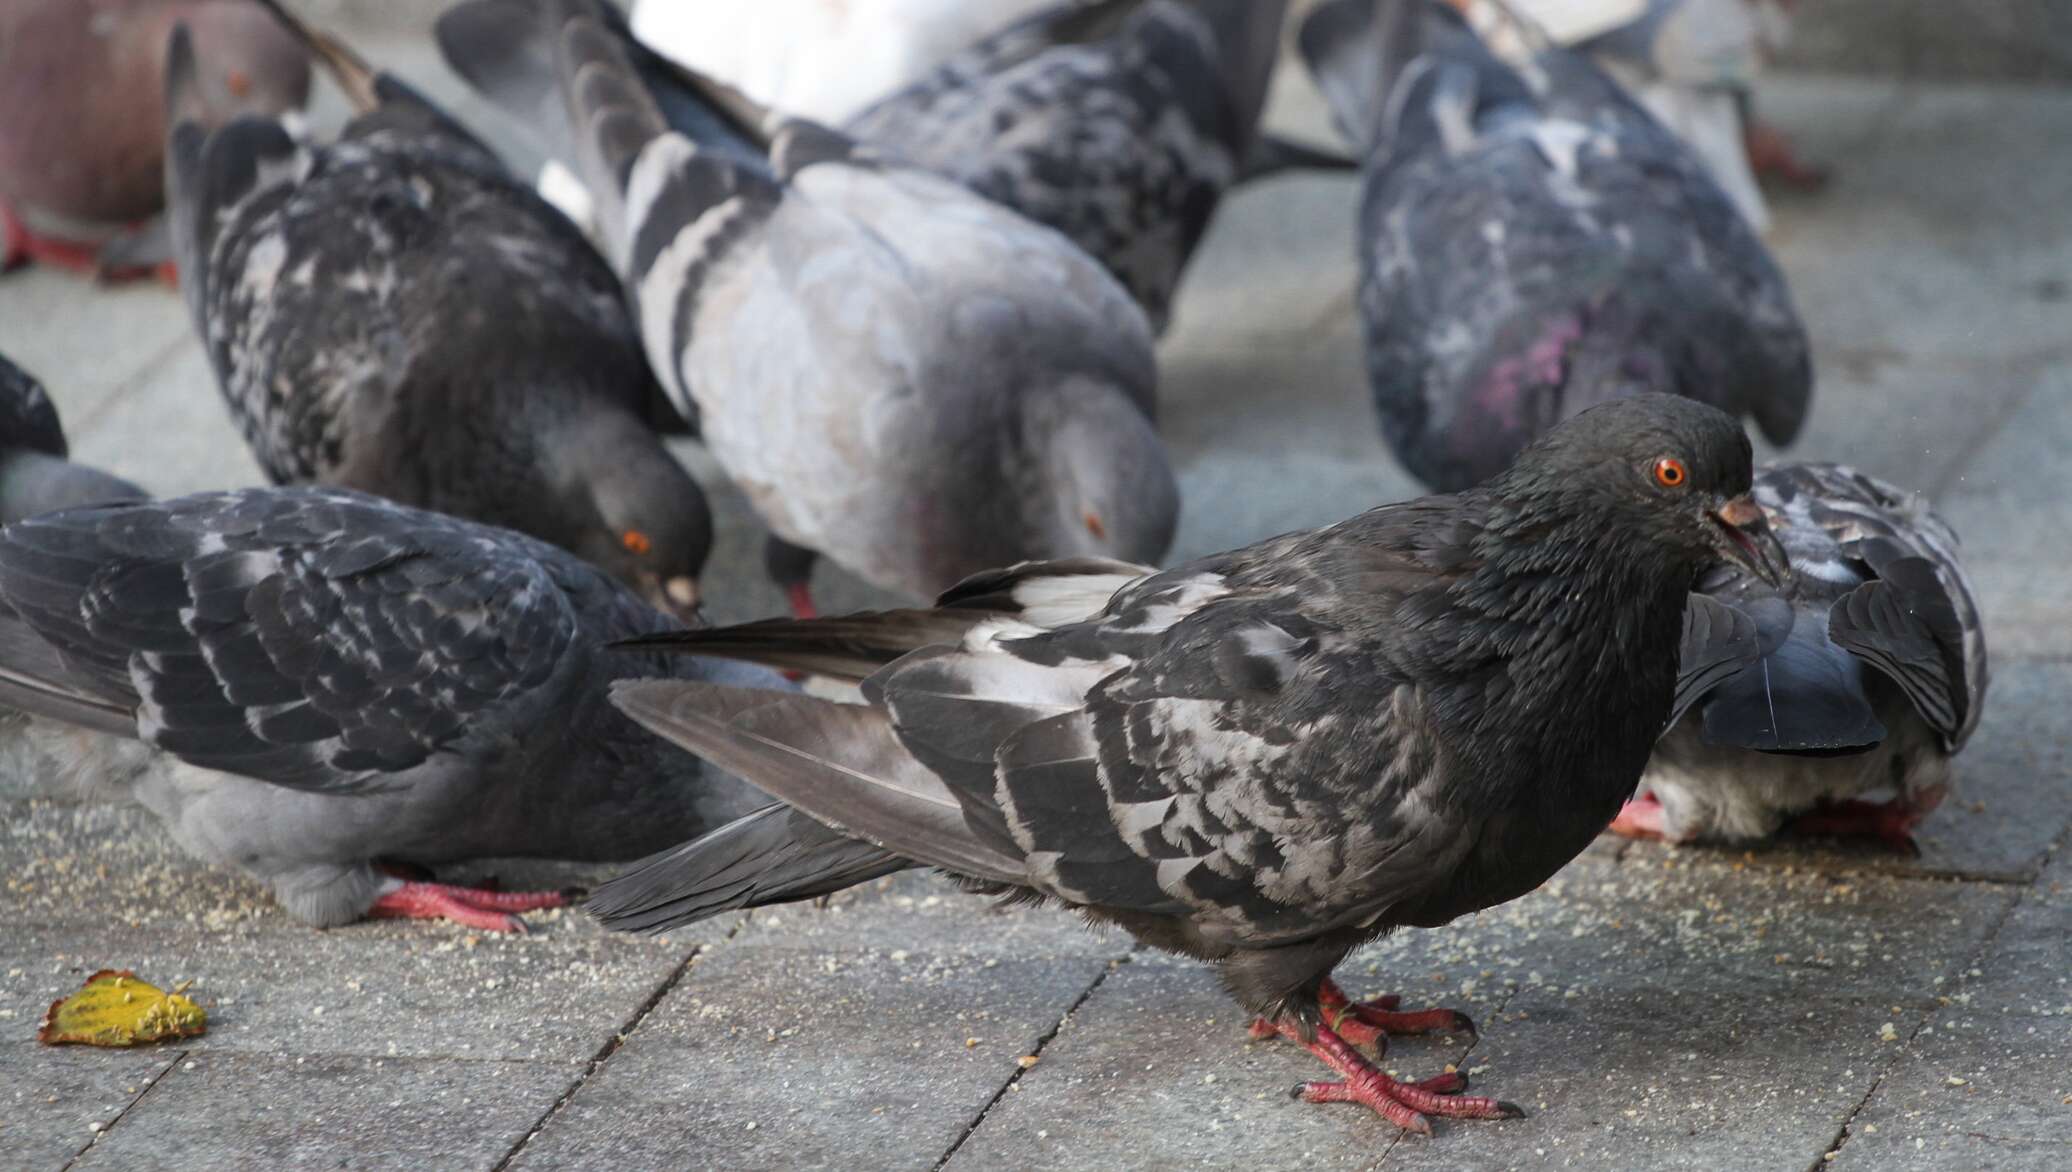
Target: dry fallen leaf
116	1009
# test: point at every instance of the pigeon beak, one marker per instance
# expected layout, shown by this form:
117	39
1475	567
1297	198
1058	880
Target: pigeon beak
1742	534
678	597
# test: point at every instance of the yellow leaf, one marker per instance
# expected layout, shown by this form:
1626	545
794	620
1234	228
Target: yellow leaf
116	1009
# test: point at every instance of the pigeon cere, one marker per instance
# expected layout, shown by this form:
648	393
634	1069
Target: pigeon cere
1080	584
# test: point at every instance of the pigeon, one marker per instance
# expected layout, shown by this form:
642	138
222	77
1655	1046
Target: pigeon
1869	674
395	312
314	684
1262	758
82	133
1119	123
1532	242
35	474
898	373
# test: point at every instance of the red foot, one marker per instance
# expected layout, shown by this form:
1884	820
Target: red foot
1770	155
1892	823
19	246
476	907
1404	1104
1642	818
800	596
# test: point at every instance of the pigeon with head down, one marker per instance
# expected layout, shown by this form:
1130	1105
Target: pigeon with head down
1867	672
395	312
1531	242
1262	758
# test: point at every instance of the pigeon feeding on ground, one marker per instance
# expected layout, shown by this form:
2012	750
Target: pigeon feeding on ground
1119	123
319	686
1868	673
397	313
900	374
1532	242
1263	758
82	131
36	475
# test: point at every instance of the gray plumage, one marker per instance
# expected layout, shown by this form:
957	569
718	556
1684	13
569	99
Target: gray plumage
1119	124
35	474
1263	757
899	374
1532	242
303	681
395	312
1870	672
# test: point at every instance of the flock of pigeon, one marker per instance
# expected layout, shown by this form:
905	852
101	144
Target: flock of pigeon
917	332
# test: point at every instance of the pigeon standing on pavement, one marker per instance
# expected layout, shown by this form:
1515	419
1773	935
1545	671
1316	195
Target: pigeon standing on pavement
395	312
36	475
318	687
82	128
1532	242
900	374
1119	123
1868	673
1263	758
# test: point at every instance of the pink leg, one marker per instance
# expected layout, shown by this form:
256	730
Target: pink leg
1401	1103
1642	818
472	906
1891	822
1770	154
800	596
19	246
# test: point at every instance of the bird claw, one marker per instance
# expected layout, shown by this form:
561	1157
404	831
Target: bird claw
475	907
1405	1104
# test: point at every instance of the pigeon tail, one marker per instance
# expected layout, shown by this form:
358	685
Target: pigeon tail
35	679
1357	50
1804	696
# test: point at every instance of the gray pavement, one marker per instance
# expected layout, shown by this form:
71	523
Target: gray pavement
1784	1008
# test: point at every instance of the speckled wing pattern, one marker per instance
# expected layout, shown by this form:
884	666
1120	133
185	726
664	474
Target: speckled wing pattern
318	639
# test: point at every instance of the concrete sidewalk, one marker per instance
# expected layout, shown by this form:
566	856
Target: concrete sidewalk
1785	1008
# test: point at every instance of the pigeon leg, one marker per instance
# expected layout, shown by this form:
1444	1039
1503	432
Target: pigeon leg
1404	1104
1642	818
475	907
1771	155
1892	822
1365	1023
22	246
791	567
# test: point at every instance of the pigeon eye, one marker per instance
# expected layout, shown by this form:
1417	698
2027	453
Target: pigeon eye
635	541
1670	473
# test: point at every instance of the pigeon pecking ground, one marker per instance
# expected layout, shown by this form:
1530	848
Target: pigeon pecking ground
1676	1008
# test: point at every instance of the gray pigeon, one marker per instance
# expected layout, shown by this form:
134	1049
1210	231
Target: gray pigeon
313	684
1533	242
898	373
1869	673
1263	758
395	312
82	133
1119	123
35	475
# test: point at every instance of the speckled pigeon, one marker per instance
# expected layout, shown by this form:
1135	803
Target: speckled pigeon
35	474
315	685
395	312
1119	123
1868	673
82	131
1532	242
906	377
1262	758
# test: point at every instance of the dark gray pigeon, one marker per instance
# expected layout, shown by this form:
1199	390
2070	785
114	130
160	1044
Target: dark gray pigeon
35	474
314	685
1119	123
1868	674
1263	758
898	373
1533	242
395	312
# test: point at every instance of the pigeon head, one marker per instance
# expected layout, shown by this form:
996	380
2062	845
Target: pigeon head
1667	470
637	514
1107	488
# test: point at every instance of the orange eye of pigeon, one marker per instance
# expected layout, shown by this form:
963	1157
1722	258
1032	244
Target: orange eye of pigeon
1669	472
635	541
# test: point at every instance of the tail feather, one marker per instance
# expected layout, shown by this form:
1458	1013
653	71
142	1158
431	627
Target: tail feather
774	855
845	647
35	679
1356	50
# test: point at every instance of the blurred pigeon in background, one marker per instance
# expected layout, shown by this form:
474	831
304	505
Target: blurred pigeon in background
1532	242
1869	673
1263	758
35	474
395	312
898	373
318	687
82	125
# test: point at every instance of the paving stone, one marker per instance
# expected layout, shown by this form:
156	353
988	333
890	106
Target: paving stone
775	1054
86	342
170	433
223	1112
2028	970
1993	1093
55	1100
2010	509
1998	39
